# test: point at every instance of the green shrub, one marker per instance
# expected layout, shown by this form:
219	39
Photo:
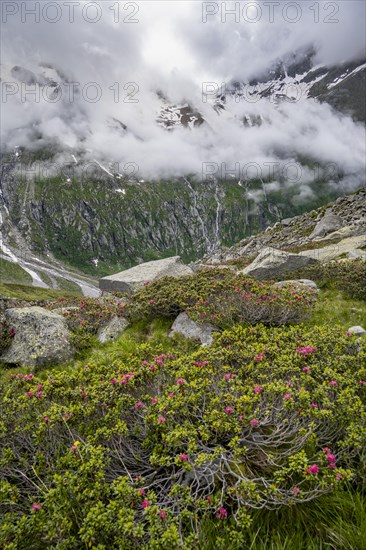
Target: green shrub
6	335
143	452
347	276
222	298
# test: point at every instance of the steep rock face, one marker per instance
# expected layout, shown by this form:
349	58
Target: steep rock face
41	337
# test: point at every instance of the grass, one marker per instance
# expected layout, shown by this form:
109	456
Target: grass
333	307
30	293
333	522
13	273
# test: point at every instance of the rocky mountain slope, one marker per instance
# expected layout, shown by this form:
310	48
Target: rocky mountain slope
334	231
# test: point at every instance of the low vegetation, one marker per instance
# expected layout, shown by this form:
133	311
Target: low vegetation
257	441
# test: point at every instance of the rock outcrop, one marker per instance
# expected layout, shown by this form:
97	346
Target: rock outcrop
41	338
190	329
272	264
133	279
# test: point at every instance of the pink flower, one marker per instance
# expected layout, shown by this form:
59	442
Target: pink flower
254	422
227	377
331	458
287	396
152	367
139	404
144	363
161	419
123	382
171	395
221	513
306	369
29	393
296	491
113	381
339	476
39	393
229	410
313	469
162	514
142	492
313	405
36	506
145	504
362	382
152	301
180	381
258	389
208	499
326	450
39	387
333	383
332	465
45	419
154	400
348	333
183	457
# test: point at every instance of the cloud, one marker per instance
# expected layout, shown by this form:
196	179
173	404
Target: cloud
172	50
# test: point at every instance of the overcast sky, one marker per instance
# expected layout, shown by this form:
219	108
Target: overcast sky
175	46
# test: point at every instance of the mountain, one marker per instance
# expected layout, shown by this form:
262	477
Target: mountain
92	218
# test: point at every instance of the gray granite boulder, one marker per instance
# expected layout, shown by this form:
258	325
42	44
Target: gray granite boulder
272	263
301	283
133	279
41	337
190	329
358	331
113	329
328	224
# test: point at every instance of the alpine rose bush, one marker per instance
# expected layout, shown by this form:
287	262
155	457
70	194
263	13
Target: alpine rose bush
116	454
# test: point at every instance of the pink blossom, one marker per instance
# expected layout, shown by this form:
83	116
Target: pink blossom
142	492
180	381
331	458
287	396
162	514
339	476
139	404
45	419
332	465
208	499
113	381
313	469
227	376
154	400
161	419
145	504
326	450
183	457
258	389
221	513
39	393
306	369
39	387
152	301
36	506
123	382
152	367
29	393
362	382
144	363
306	350
333	383
313	405
229	410
348	333
296	491
171	395
254	422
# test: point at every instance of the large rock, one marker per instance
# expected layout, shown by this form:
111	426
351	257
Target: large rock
190	329
133	279
113	329
328	224
301	284
272	263
41	337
